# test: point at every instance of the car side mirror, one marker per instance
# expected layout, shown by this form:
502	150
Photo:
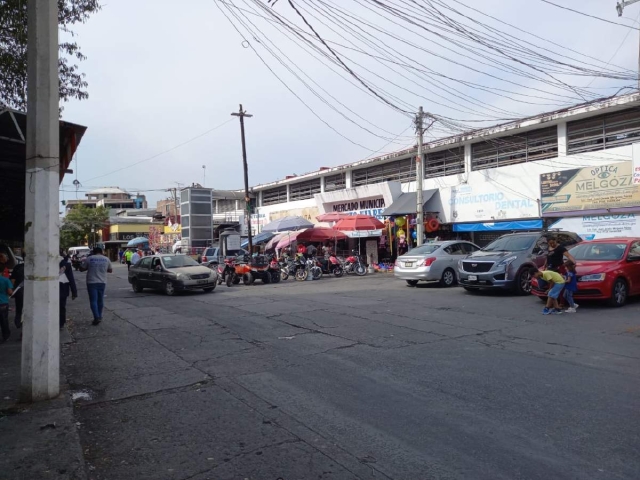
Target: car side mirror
633	258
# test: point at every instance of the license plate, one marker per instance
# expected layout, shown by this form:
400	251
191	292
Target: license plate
473	278
201	282
408	264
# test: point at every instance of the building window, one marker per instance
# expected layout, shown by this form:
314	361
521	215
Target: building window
400	171
605	131
274	195
184	196
201	209
526	147
335	182
304	190
446	162
225	206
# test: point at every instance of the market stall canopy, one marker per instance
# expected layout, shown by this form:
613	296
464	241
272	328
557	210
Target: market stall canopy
358	222
320	234
260	238
332	217
406	204
287	239
363	233
271	244
137	241
498	226
287	224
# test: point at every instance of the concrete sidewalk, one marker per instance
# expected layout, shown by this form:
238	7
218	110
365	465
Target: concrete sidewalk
38	441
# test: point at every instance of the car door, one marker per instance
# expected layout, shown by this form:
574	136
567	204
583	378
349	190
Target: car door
452	254
632	267
156	272
539	252
143	272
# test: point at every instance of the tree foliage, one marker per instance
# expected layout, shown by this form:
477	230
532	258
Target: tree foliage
78	223
13	51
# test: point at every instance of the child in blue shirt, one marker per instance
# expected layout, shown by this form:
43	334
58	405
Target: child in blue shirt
570	286
6	290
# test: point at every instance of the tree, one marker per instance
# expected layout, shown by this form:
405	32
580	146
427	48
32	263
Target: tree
13	51
80	221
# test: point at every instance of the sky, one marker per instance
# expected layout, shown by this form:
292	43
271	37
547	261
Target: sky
165	76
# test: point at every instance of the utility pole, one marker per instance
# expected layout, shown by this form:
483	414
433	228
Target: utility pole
204	175
620	8
40	375
419	179
241	113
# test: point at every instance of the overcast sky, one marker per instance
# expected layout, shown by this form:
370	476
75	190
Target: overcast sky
162	72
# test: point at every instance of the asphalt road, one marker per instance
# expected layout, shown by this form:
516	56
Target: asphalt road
354	378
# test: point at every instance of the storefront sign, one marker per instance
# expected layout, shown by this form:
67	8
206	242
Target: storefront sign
364	200
590	227
370	206
309	213
172	229
490	202
128	236
591	188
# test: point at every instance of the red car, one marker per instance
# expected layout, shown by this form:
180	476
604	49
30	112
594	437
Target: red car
607	269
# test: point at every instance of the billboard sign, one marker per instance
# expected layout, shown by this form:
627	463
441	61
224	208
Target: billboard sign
591	188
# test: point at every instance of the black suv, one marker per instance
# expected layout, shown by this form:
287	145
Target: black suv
507	261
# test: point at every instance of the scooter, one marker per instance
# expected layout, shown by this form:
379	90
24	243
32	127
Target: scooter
332	266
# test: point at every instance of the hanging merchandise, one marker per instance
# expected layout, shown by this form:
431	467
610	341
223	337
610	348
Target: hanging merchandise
432	225
400	221
414	235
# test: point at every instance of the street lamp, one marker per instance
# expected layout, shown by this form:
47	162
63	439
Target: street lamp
204	175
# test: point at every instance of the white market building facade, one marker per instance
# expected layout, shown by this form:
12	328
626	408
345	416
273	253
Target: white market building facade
483	182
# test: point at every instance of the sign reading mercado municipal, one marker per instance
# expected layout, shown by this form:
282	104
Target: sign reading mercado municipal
605	187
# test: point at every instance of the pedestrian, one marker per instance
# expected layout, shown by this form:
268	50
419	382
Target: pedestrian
6	290
120	255
17	278
556	254
311	250
571	286
135	258
302	250
97	266
67	284
127	256
555	285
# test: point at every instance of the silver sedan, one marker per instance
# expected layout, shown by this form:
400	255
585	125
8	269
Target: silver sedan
433	262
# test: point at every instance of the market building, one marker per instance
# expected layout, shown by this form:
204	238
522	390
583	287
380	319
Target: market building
480	184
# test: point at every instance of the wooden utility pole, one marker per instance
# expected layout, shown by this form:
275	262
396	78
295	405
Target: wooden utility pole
241	113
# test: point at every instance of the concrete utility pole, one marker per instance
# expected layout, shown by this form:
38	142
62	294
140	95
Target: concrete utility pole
620	8
419	179
41	329
241	113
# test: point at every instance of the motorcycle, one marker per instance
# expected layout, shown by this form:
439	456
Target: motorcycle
354	264
274	270
332	266
226	272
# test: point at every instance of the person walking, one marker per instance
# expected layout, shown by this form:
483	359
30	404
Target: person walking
67	284
120	254
6	290
571	286
17	278
97	266
135	258
127	256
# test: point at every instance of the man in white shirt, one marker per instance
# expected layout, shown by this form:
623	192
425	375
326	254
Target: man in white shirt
97	266
135	258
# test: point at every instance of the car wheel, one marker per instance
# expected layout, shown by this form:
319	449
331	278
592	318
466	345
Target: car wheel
208	290
448	278
619	293
247	278
412	283
523	282
135	285
169	288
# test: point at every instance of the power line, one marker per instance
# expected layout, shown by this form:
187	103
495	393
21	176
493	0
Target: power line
590	16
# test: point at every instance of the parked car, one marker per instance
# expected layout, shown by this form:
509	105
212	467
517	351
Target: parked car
433	262
506	262
171	274
607	269
215	253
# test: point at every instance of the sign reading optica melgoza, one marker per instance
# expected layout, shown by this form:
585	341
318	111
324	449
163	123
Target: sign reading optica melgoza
591	188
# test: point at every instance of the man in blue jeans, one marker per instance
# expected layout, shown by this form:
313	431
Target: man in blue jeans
97	266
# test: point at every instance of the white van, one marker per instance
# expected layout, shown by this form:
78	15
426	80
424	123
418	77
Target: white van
79	251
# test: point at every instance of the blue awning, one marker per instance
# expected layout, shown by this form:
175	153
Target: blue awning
263	237
498	226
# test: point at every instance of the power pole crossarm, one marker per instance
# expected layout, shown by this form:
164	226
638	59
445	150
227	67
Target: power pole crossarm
242	114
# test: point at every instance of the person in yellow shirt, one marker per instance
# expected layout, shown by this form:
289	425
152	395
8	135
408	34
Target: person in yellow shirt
555	283
127	256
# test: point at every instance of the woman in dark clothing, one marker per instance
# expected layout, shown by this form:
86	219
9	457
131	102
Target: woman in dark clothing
556	255
67	284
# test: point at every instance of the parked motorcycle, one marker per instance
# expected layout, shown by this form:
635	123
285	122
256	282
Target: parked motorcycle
354	264
226	272
274	269
332	266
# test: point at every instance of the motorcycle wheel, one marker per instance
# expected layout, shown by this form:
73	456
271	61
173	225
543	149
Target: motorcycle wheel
338	272
316	273
301	274
284	275
230	279
361	270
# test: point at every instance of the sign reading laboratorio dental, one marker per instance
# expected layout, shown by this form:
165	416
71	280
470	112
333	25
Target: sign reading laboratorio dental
370	206
590	188
490	202
591	227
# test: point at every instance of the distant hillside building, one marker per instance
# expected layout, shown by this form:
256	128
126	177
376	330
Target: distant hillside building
111	198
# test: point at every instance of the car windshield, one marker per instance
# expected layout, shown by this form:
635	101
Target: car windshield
511	243
598	251
424	249
178	261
